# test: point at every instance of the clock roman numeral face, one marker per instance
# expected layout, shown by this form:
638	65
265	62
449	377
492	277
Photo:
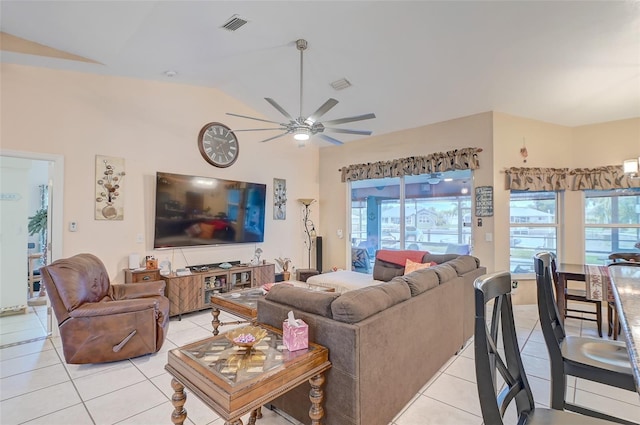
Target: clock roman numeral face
218	145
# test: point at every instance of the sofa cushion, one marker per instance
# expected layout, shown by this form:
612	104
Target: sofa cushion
438	258
316	302
385	271
464	264
445	272
420	280
355	306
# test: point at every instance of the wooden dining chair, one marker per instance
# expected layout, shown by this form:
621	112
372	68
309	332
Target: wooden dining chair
613	323
580	295
495	290
593	359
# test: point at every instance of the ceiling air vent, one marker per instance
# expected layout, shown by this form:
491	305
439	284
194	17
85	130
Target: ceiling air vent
234	23
341	84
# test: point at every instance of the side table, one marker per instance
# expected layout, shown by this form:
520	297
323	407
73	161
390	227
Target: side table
234	381
303	274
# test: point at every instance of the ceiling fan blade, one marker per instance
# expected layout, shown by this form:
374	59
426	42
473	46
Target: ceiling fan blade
344	130
322	110
261	129
350	119
330	139
278	107
274	137
252	118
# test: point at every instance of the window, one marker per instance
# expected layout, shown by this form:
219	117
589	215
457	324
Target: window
533	227
429	212
612	223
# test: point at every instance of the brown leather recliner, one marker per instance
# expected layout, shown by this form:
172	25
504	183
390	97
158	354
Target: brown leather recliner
100	322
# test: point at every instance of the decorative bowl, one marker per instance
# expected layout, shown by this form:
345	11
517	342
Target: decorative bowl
246	336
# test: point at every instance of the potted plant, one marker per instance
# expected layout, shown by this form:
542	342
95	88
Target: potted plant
284	264
37	225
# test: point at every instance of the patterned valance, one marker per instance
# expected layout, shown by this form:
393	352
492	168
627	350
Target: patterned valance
556	179
459	159
602	178
537	179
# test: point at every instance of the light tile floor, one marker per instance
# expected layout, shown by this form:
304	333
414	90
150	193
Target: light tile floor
37	387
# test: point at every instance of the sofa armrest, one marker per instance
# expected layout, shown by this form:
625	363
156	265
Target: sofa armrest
130	291
107	308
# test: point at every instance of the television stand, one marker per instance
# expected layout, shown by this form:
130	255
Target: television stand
194	292
211	266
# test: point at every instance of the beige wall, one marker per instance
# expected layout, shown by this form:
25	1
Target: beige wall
153	126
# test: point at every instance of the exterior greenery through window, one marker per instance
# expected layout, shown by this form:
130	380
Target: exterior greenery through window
533	227
428	212
612	223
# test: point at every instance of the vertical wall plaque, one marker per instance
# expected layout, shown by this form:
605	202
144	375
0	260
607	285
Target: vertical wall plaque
109	176
484	201
279	199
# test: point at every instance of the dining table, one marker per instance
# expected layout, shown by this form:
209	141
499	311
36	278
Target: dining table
625	285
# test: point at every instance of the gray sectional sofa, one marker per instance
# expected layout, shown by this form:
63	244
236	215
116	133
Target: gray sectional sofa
385	341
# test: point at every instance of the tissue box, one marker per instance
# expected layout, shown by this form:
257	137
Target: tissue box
295	338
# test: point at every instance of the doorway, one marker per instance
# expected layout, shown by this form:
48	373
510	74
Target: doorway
37	183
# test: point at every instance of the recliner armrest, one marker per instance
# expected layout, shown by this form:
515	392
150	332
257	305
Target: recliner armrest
130	291
107	308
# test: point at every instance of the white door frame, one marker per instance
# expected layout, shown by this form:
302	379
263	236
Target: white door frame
56	188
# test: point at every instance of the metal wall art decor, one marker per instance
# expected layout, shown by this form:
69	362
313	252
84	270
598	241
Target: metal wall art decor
279	199
109	176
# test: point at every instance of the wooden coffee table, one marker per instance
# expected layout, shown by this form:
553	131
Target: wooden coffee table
244	304
234	381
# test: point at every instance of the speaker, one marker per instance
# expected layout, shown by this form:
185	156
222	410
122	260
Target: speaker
319	254
134	261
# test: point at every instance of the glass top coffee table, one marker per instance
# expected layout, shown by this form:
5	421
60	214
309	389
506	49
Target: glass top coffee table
244	303
234	381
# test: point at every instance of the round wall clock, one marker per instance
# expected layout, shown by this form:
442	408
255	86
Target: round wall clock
218	144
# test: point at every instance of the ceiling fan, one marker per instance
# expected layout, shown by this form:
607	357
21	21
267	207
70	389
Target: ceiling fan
303	128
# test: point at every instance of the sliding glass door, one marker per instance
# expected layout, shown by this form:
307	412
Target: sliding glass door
430	212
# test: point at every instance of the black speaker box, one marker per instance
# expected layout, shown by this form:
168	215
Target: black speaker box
319	254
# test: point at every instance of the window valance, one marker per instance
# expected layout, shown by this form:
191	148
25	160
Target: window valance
458	159
602	178
556	179
537	179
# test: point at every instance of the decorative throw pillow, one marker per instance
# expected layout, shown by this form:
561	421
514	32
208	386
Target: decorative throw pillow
411	266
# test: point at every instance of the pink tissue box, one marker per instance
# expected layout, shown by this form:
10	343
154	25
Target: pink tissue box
295	338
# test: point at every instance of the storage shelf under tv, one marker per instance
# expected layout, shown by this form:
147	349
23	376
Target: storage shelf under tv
193	292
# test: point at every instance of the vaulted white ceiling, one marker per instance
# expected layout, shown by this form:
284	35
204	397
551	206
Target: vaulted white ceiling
411	63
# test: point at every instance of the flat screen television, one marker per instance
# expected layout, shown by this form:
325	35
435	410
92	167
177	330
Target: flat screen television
201	211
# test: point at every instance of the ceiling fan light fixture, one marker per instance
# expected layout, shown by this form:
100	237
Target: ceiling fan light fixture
301	134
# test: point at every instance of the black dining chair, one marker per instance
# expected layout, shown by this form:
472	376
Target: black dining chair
494	290
612	314
593	359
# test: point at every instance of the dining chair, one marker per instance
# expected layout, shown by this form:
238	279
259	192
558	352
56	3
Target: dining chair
580	295
494	291
613	323
593	359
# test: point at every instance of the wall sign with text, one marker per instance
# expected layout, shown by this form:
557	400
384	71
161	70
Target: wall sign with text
484	201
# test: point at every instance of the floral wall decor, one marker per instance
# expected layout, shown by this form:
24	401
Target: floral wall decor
279	199
109	175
